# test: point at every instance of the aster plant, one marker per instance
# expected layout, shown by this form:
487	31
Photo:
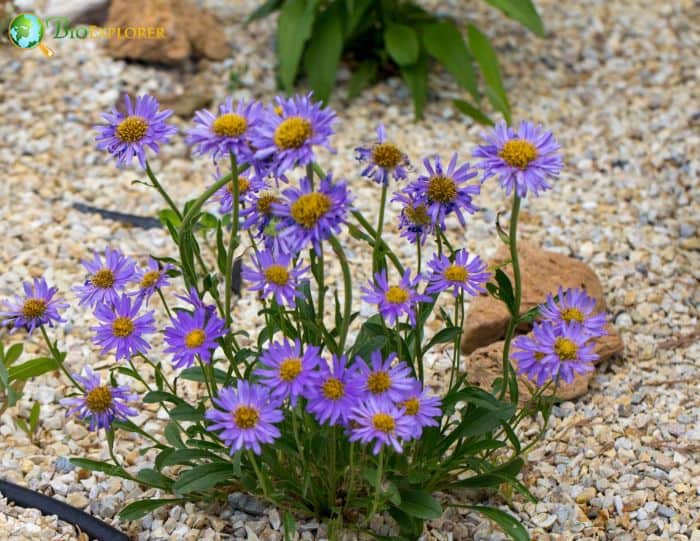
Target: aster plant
329	410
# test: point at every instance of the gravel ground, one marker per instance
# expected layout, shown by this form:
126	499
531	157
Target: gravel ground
617	83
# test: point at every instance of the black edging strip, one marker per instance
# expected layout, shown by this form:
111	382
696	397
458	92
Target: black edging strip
93	527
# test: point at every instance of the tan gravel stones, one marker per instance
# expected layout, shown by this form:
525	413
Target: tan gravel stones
542	273
182	30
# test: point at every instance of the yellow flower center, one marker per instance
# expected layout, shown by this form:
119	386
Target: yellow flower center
122	326
246	417
149	278
418	215
292	132
539	356
378	382
412	405
442	189
277	274
99	399
278	110
243	185
384	422
396	295
195	338
565	349
333	389
230	125
386	155
573	314
103	278
132	129
518	153
309	208
265	202
456	273
290	369
34	308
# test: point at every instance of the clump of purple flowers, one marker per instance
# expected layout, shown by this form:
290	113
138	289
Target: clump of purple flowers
458	275
193	335
39	306
106	279
122	328
395	300
273	277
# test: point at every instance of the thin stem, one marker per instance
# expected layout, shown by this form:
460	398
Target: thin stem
351	466
377	265
206	379
459	302
157	185
57	358
418	252
347	295
165	303
156	368
321	280
439	243
378	486
137	375
333	489
261	479
233	240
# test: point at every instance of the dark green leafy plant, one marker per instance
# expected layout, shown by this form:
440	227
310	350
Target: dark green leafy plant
384	37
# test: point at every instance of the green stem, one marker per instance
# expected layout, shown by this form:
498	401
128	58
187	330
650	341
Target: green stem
156	368
378	242
233	241
377	487
347	295
333	489
351	481
263	482
206	379
157	185
165	303
459	302
57	358
372	233
321	288
137	375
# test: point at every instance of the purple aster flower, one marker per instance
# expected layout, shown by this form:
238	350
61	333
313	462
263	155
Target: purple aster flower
122	329
192	335
555	351
310	216
573	305
460	275
414	222
381	422
523	160
383	159
193	299
288	137
272	276
101	404
246	188
105	278
445	192
227	132
382	380
395	300
152	278
259	213
335	393
38	307
286	371
422	408
126	136
246	417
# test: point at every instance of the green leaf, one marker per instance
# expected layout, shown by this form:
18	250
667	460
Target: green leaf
13	353
474	112
485	56
444	41
263	10
154	397
290	526
443	336
202	477
34	417
416	78
141	508
401	43
364	74
194	373
96	465
508	523
153	478
4	375
293	30
172	435
185	412
505	290
419	504
184	456
522	11
324	51
33	368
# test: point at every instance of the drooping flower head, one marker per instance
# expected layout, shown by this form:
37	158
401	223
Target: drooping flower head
193	335
245	416
288	136
422	407
152	278
384	159
100	404
573	305
259	213
227	132
122	328
309	216
106	278
286	371
37	307
523	160
273	277
458	275
381	380
414	222
334	394
395	300
128	135
381	422
444	192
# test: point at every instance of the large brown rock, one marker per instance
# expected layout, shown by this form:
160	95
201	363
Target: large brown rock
188	31
542	272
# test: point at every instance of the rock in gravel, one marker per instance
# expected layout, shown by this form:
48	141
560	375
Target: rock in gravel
240	501
187	31
542	272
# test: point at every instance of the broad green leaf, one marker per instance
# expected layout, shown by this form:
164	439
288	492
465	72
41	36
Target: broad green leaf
4	375
264	9
185	412
172	435
508	523
202	477
151	477
13	353
416	78
33	368
444	41
96	465
419	504
290	526
443	336
293	30
194	373
136	510
365	72
324	51
184	456
523	11
34	417
485	56
155	397
402	43
472	111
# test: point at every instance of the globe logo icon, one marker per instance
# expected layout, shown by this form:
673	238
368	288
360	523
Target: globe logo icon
26	32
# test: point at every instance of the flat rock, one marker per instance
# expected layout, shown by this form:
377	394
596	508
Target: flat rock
189	31
542	273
